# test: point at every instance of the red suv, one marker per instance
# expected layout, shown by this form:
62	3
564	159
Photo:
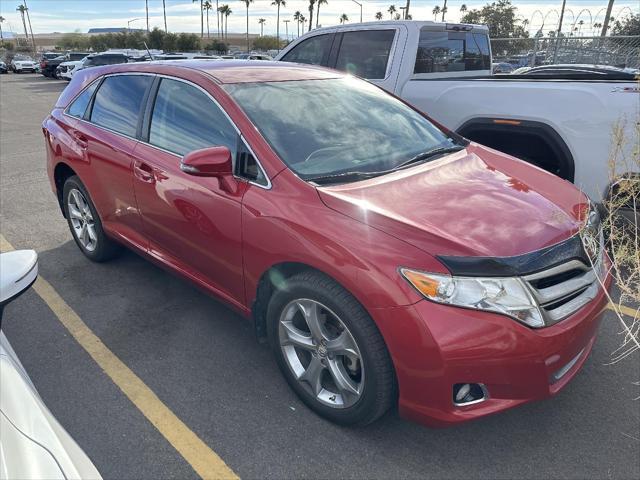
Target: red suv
385	258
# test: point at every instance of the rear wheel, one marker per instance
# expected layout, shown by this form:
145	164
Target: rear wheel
85	224
330	351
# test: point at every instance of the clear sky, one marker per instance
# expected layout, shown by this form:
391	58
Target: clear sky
183	15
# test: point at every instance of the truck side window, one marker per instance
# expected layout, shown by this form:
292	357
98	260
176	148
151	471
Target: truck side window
365	53
314	50
451	52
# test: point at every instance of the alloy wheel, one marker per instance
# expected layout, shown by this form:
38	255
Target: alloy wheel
82	220
321	353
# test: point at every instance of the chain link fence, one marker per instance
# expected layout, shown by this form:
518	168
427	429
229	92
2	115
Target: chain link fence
619	51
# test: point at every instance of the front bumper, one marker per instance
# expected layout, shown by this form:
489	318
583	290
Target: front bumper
435	346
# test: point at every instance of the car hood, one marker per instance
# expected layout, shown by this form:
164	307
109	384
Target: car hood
476	202
71	63
23	62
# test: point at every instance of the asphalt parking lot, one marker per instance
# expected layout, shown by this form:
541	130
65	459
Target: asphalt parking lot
201	361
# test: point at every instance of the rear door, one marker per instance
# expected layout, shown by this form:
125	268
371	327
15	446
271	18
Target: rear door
107	133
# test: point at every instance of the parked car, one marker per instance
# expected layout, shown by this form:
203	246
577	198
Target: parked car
501	67
33	444
101	59
3	67
22	64
253	56
560	125
50	67
384	257
66	69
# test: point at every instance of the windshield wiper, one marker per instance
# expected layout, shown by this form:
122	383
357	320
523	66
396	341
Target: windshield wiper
345	177
430	154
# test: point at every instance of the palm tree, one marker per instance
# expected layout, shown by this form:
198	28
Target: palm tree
207	6
277	4
225	11
201	17
391	10
22	9
320	2
33	39
444	9
379	16
311	4
344	18
2	19
581	22
164	13
247	3
296	17
303	19
463	8
218	18
261	21
436	10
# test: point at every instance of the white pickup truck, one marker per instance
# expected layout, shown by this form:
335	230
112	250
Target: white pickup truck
562	125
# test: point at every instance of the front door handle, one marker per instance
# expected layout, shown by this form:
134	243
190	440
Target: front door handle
143	172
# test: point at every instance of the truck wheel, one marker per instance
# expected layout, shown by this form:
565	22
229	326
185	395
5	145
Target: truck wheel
330	351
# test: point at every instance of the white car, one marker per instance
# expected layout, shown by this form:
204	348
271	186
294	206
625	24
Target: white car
33	444
66	69
21	64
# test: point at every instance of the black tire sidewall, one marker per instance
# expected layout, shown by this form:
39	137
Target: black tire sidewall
354	317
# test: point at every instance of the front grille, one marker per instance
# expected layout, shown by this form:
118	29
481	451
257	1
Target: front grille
564	289
63	68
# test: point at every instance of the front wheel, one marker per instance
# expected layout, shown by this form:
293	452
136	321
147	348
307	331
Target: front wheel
330	351
85	224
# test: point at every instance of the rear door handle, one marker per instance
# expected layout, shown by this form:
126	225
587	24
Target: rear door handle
143	171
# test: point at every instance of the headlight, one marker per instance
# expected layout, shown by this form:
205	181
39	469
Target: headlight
507	296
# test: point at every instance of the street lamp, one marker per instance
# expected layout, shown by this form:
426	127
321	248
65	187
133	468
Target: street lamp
129	23
286	29
360	5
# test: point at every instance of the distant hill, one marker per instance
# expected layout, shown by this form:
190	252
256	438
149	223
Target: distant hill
115	30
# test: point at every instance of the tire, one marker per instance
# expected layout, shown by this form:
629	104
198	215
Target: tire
368	369
94	243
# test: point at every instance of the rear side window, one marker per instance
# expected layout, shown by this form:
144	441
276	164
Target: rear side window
79	106
451	52
118	101
314	50
365	53
186	119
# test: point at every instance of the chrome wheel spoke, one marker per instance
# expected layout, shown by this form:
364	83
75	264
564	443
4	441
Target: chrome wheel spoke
296	337
343	381
343	345
74	212
311	315
313	375
91	231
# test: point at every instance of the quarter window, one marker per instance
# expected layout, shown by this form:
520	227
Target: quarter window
313	51
186	119
451	52
80	104
118	102
365	53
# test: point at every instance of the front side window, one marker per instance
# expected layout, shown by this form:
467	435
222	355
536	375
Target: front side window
79	106
346	125
451	52
185	119
313	51
118	102
365	53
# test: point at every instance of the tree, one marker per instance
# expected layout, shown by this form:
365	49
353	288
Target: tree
225	11
444	9
436	10
188	42
629	25
303	20
319	2
146	9
201	17
226	21
344	18
391	10
207	6
247	3
278	4
261	21
267	43
311	4
500	17
296	16
217	46
378	15
155	39
463	8
397	17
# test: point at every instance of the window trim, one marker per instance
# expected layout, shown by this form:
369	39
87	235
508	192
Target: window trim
153	89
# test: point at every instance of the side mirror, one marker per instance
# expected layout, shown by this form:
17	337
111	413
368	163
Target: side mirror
18	271
208	162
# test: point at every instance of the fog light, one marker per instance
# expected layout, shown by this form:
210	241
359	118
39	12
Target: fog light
469	393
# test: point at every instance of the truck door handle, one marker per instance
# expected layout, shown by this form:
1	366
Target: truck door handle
143	172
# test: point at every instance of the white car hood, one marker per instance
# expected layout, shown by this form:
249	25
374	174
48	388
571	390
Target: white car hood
73	63
33	444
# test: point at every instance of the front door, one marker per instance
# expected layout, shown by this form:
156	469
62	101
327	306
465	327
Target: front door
192	223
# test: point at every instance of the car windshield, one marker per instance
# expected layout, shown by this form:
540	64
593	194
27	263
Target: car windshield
336	127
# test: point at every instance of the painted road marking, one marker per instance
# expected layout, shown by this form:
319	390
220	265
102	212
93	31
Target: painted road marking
202	459
626	310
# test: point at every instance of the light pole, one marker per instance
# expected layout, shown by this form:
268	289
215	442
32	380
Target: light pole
404	12
360	5
129	23
286	29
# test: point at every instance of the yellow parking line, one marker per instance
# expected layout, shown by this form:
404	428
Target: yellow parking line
202	459
626	310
